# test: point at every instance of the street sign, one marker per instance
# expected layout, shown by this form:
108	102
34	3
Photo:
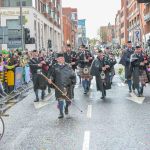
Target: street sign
3	35
14	40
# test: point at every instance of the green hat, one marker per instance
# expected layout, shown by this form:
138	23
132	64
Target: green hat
5	51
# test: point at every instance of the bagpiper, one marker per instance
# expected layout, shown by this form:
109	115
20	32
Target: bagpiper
100	69
38	81
63	77
138	70
125	61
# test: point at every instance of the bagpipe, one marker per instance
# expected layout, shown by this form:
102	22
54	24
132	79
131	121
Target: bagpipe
63	93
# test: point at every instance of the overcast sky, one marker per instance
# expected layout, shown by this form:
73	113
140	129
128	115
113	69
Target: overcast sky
96	12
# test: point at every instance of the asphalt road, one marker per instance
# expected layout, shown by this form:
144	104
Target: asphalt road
120	122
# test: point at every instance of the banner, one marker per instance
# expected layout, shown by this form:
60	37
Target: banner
10	78
27	74
18	77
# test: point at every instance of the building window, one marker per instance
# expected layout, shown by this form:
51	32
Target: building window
14	3
23	3
122	35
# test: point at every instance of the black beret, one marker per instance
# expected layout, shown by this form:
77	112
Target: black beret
129	42
68	45
60	55
100	51
83	46
138	46
34	50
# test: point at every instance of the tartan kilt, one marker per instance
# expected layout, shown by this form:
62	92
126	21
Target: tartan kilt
143	77
85	76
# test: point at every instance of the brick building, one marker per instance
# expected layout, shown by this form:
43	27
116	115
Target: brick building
70	26
107	34
147	20
124	23
118	28
134	22
67	27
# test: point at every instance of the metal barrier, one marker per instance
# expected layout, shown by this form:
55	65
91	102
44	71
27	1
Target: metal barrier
18	81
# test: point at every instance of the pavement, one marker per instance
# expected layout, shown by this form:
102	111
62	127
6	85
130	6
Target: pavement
117	123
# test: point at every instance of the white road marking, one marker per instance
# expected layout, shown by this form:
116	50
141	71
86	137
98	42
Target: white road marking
136	99
89	111
43	103
123	84
119	84
86	141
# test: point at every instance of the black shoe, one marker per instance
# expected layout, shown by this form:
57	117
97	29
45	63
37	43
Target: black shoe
103	97
66	111
130	91
60	116
85	92
37	100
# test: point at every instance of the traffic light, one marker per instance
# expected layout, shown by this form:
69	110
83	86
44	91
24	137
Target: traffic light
49	44
148	42
143	1
27	35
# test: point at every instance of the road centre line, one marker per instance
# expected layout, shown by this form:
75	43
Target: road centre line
86	141
89	111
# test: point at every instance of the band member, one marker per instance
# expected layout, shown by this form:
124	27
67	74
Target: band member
99	69
84	61
71	58
138	68
112	62
38	81
125	61
63	77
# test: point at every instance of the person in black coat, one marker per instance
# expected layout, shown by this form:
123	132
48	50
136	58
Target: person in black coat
39	82
71	58
63	76
125	61
100	69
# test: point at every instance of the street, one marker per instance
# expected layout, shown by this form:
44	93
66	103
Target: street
115	123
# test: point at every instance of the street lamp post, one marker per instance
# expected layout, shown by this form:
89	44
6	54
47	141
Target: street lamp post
21	26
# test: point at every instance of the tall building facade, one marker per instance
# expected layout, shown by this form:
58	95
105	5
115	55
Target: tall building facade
41	17
135	24
70	26
124	23
82	39
118	28
107	34
146	20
